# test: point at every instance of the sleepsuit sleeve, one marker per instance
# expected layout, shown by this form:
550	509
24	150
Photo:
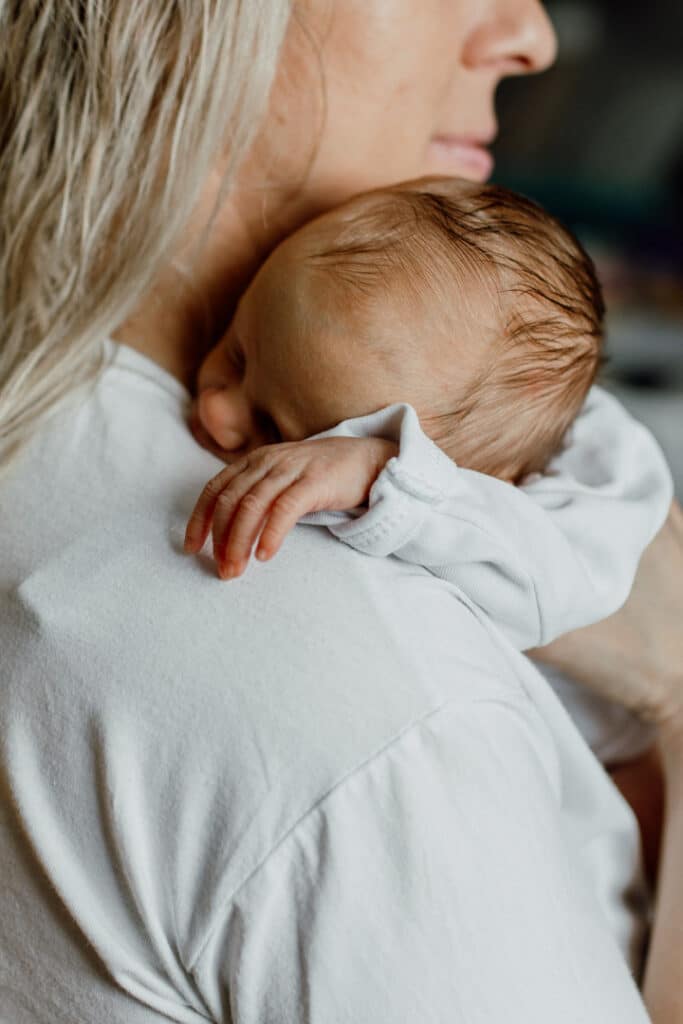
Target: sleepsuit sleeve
554	554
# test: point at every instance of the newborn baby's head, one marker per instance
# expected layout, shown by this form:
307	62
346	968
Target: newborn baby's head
468	301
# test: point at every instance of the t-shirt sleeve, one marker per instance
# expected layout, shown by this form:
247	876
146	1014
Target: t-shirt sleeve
433	884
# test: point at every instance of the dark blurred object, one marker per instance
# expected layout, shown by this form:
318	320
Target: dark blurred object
599	136
598	140
677	189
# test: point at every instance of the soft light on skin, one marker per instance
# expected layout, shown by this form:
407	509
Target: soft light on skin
409	89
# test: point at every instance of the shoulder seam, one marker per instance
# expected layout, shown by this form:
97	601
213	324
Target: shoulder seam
519	702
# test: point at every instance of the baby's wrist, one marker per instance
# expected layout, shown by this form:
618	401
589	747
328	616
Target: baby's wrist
382	451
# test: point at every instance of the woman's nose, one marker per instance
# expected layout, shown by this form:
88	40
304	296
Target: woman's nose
517	37
225	415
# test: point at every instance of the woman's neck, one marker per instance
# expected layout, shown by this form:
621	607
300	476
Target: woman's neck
189	306
177	322
187	311
161	329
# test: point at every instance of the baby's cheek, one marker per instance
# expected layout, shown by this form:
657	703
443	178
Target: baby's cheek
197	430
202	436
208	411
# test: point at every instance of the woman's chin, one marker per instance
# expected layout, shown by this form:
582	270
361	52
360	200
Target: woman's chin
459	159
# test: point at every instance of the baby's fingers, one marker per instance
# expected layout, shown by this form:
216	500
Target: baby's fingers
285	512
235	529
199	523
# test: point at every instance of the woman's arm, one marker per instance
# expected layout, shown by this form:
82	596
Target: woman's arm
636	658
663	982
641	783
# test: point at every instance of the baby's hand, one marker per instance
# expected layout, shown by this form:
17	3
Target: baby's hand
267	491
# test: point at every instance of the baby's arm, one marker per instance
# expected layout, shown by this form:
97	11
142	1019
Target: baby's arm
265	493
542	559
539	560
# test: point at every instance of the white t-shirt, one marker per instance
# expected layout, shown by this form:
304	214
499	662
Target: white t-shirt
325	792
536	561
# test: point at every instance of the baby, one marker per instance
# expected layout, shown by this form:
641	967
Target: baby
468	303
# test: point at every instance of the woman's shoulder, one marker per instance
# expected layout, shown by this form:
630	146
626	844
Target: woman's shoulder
185	726
180	724
271	687
191	722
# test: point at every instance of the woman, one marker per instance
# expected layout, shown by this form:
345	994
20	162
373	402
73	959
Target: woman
147	167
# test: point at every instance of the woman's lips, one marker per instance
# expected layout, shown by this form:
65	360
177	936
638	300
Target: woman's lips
466	157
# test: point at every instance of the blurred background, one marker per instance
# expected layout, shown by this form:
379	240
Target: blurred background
599	141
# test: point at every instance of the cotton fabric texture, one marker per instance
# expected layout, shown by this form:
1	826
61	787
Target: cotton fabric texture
557	553
332	791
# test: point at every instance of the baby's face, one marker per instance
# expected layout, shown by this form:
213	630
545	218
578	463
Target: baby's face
285	369
292	364
247	392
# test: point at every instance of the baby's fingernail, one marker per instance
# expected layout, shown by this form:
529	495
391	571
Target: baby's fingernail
228	571
262	554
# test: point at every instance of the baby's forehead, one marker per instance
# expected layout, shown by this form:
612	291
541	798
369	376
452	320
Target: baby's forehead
451	241
383	249
394	237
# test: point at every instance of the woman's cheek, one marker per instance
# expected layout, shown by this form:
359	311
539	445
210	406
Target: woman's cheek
388	72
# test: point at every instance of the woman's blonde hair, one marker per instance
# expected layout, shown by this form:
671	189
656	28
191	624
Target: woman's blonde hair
111	115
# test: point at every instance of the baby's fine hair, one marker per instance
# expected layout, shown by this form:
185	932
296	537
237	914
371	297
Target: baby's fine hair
447	235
